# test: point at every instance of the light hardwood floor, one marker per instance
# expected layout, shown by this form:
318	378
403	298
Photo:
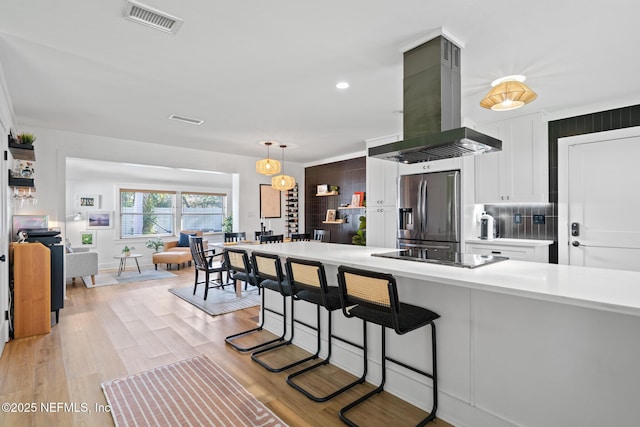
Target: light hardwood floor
113	331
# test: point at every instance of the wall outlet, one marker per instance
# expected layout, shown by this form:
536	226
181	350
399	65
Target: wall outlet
538	219
517	219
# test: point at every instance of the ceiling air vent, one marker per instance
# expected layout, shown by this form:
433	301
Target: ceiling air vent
186	120
151	17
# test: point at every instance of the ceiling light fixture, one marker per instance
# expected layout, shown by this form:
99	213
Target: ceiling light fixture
268	166
508	93
186	120
283	182
342	85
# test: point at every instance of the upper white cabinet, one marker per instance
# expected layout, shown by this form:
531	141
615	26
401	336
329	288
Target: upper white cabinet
382	190
518	173
382	187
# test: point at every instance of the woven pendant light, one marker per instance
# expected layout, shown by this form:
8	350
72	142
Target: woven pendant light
283	182
508	93
268	166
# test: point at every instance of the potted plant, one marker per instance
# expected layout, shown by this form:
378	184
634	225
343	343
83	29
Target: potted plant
360	238
126	251
227	224
155	243
26	138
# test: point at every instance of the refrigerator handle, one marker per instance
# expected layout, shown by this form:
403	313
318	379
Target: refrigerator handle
425	207
420	207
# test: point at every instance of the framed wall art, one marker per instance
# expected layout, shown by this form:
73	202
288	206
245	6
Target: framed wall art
99	220
270	202
88	239
88	201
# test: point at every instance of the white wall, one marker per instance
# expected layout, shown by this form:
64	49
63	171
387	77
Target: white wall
53	147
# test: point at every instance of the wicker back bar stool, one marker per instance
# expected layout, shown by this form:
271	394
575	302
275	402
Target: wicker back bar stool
373	297
268	268
240	268
308	282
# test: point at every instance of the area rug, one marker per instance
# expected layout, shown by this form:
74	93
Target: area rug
193	392
106	278
218	301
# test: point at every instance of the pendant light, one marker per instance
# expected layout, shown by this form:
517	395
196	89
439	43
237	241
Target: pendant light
268	166
283	182
508	93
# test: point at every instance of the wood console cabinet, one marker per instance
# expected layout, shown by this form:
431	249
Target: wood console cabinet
31	289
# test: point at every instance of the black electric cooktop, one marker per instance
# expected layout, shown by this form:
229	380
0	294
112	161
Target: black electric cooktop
454	259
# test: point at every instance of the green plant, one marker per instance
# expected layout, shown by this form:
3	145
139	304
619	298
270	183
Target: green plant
26	138
127	249
227	224
155	243
360	238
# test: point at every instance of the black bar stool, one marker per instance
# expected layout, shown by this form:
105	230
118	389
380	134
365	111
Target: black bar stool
268	269
308	282
373	297
240	268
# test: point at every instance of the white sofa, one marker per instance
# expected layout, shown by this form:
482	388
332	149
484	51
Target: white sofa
80	262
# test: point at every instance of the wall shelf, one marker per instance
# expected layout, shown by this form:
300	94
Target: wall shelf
21	151
20	182
331	193
350	207
338	221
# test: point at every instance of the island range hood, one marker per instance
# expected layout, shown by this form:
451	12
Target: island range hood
432	113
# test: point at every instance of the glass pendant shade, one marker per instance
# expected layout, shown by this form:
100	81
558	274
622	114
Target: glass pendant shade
268	166
508	95
283	182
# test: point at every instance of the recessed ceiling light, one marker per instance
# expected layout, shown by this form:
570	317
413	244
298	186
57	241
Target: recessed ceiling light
342	85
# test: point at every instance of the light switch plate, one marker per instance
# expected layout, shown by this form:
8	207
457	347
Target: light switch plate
538	219
517	219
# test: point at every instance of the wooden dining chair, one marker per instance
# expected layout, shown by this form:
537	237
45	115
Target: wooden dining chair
322	235
203	260
274	238
263	233
235	237
298	237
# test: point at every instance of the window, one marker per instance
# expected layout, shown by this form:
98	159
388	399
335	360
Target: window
203	211
146	213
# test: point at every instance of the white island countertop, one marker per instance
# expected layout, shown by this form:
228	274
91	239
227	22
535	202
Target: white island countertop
603	289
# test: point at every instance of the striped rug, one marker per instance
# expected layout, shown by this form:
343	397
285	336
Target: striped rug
193	392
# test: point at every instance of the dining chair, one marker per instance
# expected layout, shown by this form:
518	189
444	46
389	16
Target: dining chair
274	238
235	237
263	233
298	237
322	235
203	260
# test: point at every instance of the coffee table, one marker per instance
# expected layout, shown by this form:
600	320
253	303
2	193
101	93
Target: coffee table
123	261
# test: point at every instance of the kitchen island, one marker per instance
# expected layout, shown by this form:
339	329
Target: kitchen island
519	343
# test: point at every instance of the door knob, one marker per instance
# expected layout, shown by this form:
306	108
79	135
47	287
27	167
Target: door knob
575	243
2	258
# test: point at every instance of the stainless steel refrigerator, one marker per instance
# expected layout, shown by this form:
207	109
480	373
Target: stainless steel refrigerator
429	211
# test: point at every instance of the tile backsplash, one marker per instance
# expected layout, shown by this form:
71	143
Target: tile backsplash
506	215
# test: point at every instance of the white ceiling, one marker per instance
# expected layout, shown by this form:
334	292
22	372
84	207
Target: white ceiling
257	70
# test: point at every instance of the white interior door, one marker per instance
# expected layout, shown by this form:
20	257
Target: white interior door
4	245
602	184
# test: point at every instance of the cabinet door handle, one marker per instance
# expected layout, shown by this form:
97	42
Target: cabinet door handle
2	258
496	252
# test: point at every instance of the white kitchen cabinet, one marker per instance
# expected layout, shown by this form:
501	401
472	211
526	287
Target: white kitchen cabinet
382	187
516	249
518	173
381	226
